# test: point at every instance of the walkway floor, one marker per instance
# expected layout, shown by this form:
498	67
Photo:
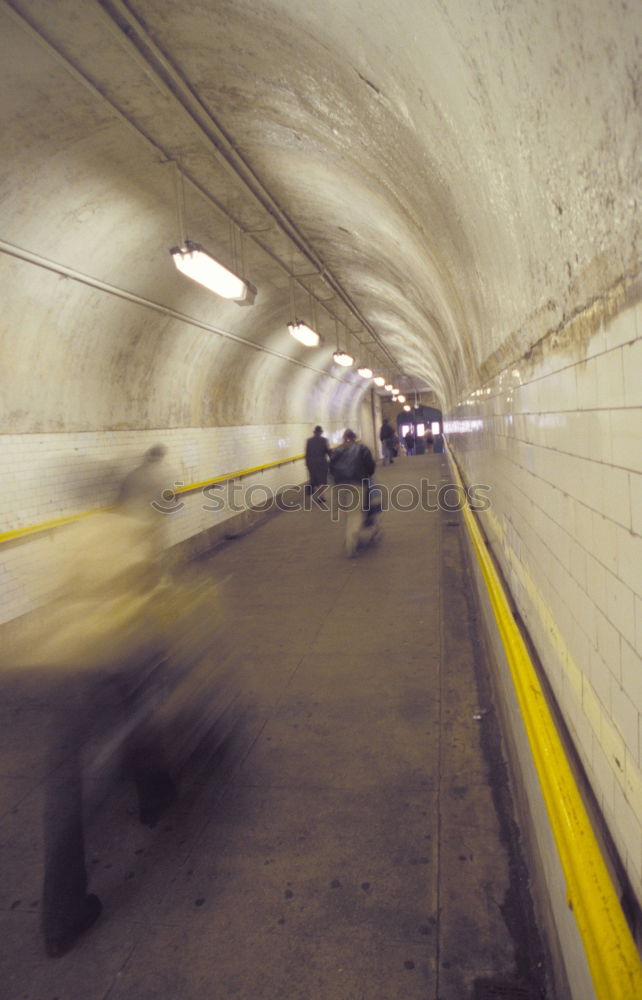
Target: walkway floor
346	845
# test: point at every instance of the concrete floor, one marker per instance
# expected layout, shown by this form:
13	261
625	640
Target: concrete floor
353	840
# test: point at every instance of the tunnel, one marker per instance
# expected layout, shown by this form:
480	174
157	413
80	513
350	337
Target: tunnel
443	197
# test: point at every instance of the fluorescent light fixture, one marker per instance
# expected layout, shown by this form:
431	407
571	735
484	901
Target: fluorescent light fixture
379	380
402	399
365	372
200	266
388	386
304	334
343	359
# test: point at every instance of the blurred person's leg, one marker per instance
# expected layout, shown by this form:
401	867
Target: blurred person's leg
145	757
354	521
368	490
146	761
67	909
318	494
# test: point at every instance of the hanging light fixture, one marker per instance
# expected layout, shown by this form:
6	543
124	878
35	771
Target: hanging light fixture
388	386
379	380
365	372
195	262
192	260
304	334
401	398
340	356
407	408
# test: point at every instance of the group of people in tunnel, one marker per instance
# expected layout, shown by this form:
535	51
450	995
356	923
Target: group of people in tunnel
351	466
390	442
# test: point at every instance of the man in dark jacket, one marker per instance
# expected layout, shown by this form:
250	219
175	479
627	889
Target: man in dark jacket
317	453
351	465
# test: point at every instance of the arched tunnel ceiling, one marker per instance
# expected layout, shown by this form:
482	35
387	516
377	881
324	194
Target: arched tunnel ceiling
448	179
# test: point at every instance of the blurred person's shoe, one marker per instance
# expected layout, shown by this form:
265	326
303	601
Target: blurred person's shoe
352	544
57	945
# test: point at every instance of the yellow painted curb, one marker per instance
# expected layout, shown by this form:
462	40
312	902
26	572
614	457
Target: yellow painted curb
611	953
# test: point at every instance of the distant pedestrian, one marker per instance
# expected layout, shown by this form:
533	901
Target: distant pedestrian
439	444
409	441
429	441
317	454
387	438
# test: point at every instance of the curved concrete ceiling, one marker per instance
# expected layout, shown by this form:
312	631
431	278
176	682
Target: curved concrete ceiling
447	181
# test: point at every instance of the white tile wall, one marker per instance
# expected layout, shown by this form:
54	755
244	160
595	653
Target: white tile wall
566	527
48	476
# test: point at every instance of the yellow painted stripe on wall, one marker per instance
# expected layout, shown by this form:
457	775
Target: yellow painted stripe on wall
612	956
33	529
237	475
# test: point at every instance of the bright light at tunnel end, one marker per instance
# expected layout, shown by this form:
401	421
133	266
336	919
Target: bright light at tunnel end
196	263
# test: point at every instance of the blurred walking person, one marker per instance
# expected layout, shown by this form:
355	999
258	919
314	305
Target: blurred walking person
104	657
351	466
98	648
